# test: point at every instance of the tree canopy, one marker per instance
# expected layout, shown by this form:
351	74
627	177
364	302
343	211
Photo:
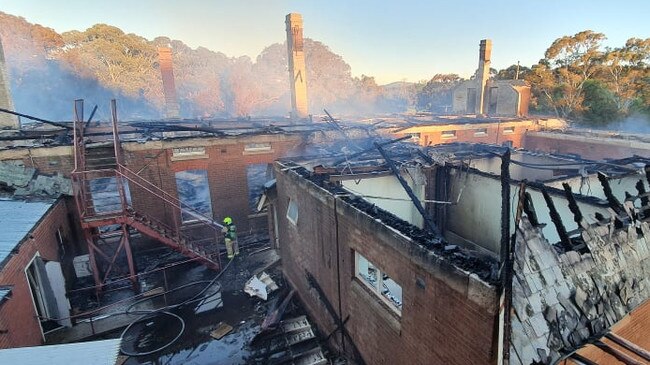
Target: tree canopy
580	79
577	78
103	62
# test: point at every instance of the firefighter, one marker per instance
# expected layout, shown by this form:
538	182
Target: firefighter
230	235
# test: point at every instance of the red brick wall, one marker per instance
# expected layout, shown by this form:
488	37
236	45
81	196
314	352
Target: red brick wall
469	136
17	314
589	148
226	167
440	324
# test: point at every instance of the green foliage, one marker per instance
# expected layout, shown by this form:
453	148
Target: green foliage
580	79
513	72
208	83
436	95
577	78
599	104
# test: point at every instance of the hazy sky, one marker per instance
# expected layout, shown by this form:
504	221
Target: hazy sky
391	40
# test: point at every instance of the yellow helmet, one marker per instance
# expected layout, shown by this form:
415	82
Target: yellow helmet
227	220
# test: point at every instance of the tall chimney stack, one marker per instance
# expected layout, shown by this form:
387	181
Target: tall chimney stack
483	74
172	110
7	121
297	75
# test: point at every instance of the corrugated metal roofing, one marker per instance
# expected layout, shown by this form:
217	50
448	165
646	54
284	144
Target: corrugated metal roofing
17	218
82	353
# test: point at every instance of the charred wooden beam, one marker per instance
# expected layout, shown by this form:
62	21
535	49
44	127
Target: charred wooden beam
428	222
36	119
441	193
611	199
311	280
640	188
332	121
573	205
92	114
153	126
557	221
425	157
505	204
360	153
529	209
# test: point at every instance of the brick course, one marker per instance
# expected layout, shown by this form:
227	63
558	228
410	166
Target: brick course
17	314
451	321
227	176
226	165
595	148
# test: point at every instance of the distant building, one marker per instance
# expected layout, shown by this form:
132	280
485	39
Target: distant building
482	96
508	98
500	130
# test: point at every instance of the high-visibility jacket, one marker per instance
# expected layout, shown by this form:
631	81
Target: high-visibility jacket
230	232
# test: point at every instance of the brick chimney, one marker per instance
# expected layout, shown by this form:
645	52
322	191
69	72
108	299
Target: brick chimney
7	121
483	74
172	110
297	76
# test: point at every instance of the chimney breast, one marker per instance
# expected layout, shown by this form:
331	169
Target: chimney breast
7	121
172	109
297	68
483	74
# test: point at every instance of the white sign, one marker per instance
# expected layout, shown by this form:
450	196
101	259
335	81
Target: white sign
188	151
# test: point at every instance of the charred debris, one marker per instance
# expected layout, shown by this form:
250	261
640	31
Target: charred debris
380	156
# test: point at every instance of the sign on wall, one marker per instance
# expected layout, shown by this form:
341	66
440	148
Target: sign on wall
188	153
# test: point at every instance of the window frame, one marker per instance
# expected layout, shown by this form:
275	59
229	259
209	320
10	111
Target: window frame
481	132
192	219
449	134
377	290
415	137
508	130
254	148
294	220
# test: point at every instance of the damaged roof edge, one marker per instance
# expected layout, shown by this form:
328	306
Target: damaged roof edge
533	184
429	249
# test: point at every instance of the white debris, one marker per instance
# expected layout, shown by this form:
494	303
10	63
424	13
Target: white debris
260	286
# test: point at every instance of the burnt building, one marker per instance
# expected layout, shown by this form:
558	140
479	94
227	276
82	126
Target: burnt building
398	251
35	263
485	96
439	251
